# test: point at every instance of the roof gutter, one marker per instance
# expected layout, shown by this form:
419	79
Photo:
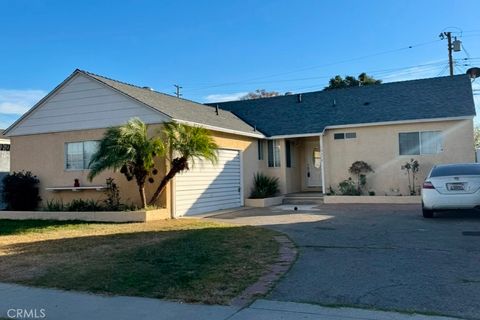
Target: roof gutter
369	124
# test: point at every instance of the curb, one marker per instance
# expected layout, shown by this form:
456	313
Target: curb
287	256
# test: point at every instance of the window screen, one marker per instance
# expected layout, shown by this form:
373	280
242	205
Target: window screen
350	135
338	136
430	142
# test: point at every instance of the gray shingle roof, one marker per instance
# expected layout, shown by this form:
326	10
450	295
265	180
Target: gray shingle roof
177	108
442	97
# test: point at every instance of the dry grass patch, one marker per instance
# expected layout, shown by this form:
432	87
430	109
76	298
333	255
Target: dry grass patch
189	260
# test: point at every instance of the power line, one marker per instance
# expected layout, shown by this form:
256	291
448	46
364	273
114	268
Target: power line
314	67
378	72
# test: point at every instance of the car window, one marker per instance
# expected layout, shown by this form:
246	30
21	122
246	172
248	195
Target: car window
457	170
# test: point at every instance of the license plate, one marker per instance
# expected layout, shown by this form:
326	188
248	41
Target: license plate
455	186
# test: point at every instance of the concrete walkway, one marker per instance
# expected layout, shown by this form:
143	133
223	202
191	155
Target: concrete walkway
61	305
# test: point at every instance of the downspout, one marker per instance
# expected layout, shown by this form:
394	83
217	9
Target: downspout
322	162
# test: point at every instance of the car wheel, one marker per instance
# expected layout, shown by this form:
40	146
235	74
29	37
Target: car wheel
427	213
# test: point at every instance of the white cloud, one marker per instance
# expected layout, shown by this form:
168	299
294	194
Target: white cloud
17	102
221	97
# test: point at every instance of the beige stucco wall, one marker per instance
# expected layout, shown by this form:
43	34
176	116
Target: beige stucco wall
44	155
288	178
379	147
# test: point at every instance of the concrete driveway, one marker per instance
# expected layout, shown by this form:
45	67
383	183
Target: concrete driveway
382	256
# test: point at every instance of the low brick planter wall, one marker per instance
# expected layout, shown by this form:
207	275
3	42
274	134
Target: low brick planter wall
265	202
98	216
373	199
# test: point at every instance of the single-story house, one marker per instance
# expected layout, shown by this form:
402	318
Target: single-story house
307	140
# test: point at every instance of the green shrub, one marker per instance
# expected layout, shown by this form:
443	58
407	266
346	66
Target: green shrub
264	186
20	191
360	169
84	205
54	205
348	188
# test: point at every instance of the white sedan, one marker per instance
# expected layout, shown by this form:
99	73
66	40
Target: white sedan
451	186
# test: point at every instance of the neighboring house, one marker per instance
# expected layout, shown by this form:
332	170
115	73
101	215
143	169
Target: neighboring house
4	161
307	140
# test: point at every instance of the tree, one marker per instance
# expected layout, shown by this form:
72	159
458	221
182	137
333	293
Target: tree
360	170
476	137
129	149
185	144
363	79
259	93
412	167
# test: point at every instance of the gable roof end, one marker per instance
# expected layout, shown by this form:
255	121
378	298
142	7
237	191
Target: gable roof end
181	110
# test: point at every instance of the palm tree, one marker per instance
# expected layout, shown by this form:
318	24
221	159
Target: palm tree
129	149
184	144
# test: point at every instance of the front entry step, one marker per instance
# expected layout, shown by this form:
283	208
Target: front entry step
303	198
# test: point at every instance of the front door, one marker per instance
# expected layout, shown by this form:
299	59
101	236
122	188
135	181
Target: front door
314	164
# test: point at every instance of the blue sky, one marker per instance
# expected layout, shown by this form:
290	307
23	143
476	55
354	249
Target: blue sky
220	50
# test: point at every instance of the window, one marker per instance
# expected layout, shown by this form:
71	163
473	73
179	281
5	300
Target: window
430	142
456	170
78	154
417	143
288	153
317	158
343	135
273	153
409	143
260	149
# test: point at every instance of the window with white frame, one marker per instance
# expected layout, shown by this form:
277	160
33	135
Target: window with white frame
78	154
420	143
344	135
273	153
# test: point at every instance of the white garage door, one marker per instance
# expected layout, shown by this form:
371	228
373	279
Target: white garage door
207	187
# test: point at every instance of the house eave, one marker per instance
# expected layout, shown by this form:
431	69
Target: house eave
220	129
370	124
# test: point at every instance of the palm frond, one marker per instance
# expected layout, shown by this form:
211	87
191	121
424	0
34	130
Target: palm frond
191	142
126	145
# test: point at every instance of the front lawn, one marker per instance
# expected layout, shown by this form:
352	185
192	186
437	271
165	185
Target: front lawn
189	260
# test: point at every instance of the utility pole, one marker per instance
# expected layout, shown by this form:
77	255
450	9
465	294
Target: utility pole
450	58
455	46
177	90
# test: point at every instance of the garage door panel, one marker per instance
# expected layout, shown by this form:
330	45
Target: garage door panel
215	195
207	208
217	186
197	184
207	187
211	179
208	203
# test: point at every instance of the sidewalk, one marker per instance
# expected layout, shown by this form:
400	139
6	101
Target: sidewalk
62	305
